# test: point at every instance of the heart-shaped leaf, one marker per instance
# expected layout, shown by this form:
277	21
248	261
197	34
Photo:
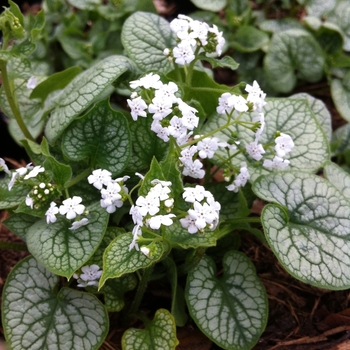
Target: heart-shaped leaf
231	311
340	90
210	5
119	260
10	199
309	227
36	316
19	224
338	178
82	90
293	51
62	250
102	137
159	334
145	36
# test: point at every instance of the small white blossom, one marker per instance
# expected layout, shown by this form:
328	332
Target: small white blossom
51	213
255	150
149	81
256	96
162	133
189	223
207	147
225	104
276	163
34	172
89	277
137	232
4	167
78	224
137	217
137	106
194	169
29	201
167	91
99	178
32	82
197	193
155	221
160	107
187	154
183	53
241	178
239	103
145	250
219	39
284	145
148	204
176	127
71	207
111	197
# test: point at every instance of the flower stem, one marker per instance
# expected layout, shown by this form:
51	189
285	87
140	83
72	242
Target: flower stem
78	178
13	246
12	100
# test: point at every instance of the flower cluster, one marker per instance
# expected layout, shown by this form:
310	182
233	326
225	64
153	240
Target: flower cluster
204	212
70	208
241	179
193	35
25	173
157	201
171	115
113	192
90	276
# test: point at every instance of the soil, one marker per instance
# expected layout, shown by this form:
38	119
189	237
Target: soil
301	317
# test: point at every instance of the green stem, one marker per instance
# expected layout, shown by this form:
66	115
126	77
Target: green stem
190	68
13	246
12	100
140	292
78	178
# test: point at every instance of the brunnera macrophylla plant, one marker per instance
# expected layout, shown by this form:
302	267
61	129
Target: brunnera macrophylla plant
115	198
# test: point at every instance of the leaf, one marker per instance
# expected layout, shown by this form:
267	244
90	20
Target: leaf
341	140
320	8
144	37
85	4
80	93
340	91
320	111
145	145
34	151
159	334
293	54
308	227
119	260
114	290
231	311
55	82
180	237
37	316
63	251
338	178
10	199
249	39
38	25
101	136
155	172
20	223
210	5
225	62
279	25
290	116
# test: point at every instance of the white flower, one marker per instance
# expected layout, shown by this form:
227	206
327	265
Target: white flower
160	107
183	53
149	81
137	106
159	191
255	150
256	96
89	277
187	154
145	250
148	204
155	221
99	178
51	213
207	147
225	104
189	223
137	232
194	169
34	172
200	31
4	167
32	82
163	183
276	163
111	197
137	217
179	25
140	176
202	214
176	127
261	119
239	103
219	39
192	194
78	224
241	179
71	207
29	201
162	133
284	144
167	91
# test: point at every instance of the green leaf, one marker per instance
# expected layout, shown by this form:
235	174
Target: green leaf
119	260
341	140
17	12
279	25
20	223
85	4
155	172
159	334
210	5
37	316
114	290
319	8
60	173
320	111
100	137
293	54
231	311
144	37
38	25
338	178
63	251
34	151
180	237
80	93
340	91
225	62
249	39
290	116
55	82
308	228
10	199
145	145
